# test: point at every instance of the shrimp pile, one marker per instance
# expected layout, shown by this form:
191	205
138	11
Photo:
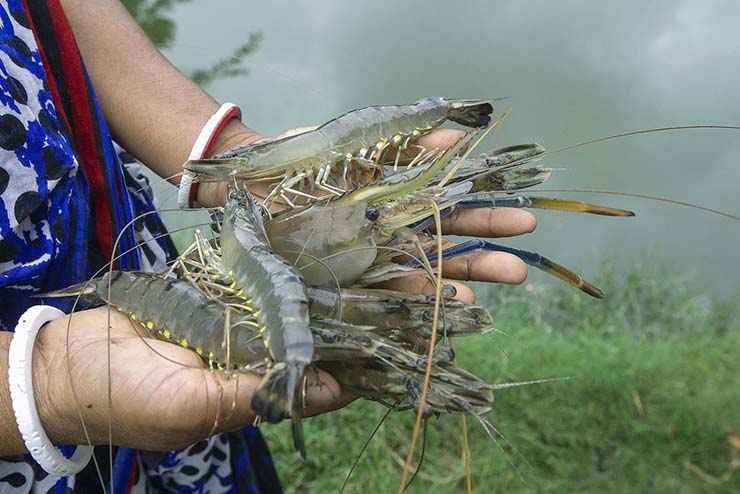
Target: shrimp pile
277	292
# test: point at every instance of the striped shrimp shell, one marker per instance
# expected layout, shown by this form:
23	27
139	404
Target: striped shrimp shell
279	295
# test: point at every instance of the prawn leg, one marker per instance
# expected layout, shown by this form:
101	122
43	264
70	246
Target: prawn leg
532	258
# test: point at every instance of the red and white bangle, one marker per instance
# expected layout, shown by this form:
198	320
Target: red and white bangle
188	189
20	381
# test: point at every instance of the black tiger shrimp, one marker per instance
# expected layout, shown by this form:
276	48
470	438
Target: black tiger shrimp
227	333
276	288
175	310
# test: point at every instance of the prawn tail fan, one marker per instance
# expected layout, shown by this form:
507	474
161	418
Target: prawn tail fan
275	400
472	113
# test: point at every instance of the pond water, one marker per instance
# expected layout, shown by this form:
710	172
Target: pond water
572	70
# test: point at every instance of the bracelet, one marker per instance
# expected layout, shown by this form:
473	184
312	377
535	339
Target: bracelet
22	400
188	189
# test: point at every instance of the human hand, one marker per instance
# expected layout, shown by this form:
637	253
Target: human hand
498	267
161	397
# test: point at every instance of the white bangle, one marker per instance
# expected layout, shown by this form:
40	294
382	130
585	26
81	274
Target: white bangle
24	405
189	182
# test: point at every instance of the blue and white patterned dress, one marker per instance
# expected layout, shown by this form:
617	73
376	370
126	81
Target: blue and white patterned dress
65	192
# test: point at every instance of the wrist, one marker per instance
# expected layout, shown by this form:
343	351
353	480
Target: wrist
221	132
233	134
23	395
51	388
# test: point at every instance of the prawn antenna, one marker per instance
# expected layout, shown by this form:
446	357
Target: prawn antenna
430	355
364	448
421	457
612	137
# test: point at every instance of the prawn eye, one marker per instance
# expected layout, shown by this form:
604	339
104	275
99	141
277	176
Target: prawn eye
372	214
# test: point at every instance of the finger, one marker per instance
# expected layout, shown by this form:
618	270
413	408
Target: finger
480	265
485	266
323	393
489	222
422	285
489	267
440	138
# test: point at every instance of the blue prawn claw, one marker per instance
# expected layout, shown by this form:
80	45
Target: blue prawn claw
532	258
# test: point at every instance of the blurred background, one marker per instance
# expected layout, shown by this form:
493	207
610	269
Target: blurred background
656	404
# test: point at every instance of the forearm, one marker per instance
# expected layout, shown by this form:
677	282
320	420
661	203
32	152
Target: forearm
50	390
161	397
153	110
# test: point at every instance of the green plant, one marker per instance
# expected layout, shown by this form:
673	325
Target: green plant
154	17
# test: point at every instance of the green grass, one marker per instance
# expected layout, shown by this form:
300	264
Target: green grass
654	394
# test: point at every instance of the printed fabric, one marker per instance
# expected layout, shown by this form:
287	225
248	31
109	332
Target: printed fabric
66	193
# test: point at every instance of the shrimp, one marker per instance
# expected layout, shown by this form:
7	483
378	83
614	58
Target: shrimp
175	310
366	361
273	285
391	311
171	308
360	137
